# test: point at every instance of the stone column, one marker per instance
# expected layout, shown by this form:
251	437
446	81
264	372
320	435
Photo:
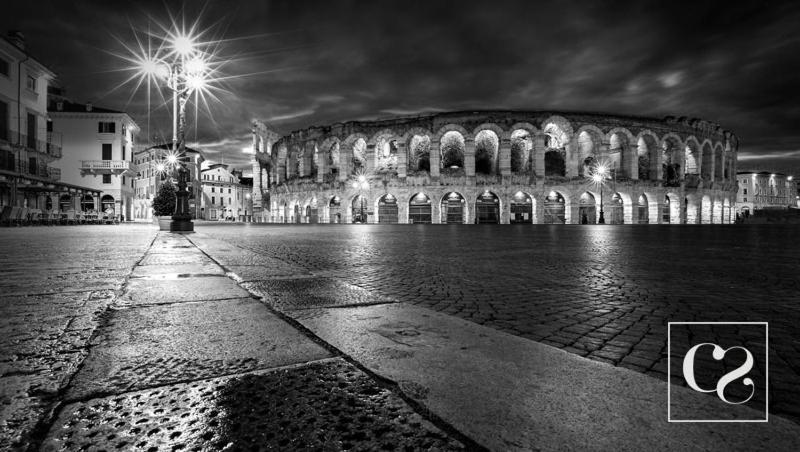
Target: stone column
436	206
345	160
435	159
630	159
505	156
371	157
469	160
322	167
308	158
402	160
539	149
505	210
569	159
402	211
538	211
574	212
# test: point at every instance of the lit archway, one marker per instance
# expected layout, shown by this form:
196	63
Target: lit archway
521	207
359	209
554	208
419	209
487	208
614	212
453	208
335	210
452	148
642	210
387	209
587	209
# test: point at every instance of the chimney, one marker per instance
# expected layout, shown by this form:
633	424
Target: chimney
17	38
88	106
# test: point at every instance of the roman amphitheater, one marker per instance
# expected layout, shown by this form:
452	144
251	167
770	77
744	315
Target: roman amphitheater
498	167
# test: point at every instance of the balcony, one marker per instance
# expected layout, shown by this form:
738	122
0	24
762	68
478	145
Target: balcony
114	167
41	170
49	147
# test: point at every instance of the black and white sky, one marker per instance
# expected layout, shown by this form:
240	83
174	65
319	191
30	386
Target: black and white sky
299	63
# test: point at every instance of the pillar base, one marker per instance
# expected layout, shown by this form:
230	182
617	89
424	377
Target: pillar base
181	226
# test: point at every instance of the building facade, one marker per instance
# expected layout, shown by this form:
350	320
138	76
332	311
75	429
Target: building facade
97	152
28	147
225	197
499	167
763	190
152	169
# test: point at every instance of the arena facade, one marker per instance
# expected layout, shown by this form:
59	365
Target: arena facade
497	167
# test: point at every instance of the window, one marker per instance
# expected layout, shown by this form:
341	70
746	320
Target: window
123	152
106	127
30	83
32	165
212	189
745	199
3	67
229	191
229	200
106	151
213	200
123	180
3	120
106	178
745	191
49	125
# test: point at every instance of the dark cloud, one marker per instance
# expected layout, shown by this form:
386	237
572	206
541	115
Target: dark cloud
307	63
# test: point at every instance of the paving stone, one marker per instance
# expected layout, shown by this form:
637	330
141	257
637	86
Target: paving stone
143	292
322	406
312	293
150	346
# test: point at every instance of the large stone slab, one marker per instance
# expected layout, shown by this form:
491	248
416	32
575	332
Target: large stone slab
151	346
142	292
509	393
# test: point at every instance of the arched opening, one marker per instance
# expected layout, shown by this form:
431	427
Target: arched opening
691	157
587	208
453	208
312	212
705	210
555	156
620	155
108	204
487	208
642	210
286	213
707	167
359	209
298	217
359	158
614	211
387	209
726	211
65	203
386	151
648	153
666	211
87	203
419	209
452	149
486	146
521	145
521	208
587	152
419	151
335	210
670	162
48	202
554	209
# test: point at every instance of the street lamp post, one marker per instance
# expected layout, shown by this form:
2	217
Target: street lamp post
599	177
361	184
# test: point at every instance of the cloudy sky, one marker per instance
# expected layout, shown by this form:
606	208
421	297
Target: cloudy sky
299	63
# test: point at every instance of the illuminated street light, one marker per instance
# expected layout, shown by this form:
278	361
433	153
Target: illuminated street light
599	178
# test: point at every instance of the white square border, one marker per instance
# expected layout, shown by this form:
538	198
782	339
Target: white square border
669	379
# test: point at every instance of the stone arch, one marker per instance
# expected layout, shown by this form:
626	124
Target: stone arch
522	207
418	149
622	156
387	209
354	154
452	146
449	128
556	206
487	208
521	151
707	164
384	149
672	203
420	208
589	140
692	156
449	208
589	207
719	162
672	155
648	156
559	128
487	151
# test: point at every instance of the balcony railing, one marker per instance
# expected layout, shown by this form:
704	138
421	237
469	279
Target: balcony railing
8	162
116	167
51	147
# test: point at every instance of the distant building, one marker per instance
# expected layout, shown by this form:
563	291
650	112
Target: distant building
764	190
150	162
224	195
97	152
